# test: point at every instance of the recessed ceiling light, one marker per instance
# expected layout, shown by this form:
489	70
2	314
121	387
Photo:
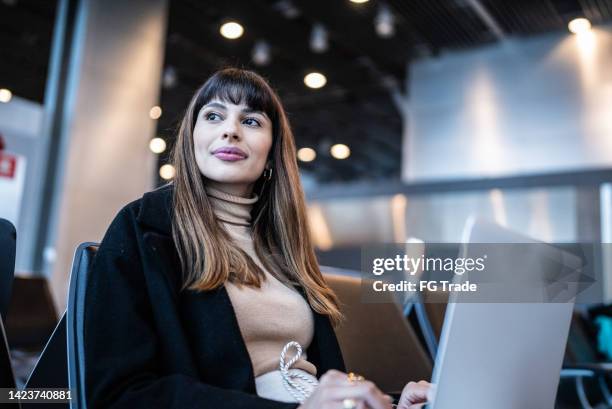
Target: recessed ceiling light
579	25
306	154
384	23
261	53
340	151
167	171
359	1
318	39
5	95
315	80
157	145
169	77
287	8
155	112
231	30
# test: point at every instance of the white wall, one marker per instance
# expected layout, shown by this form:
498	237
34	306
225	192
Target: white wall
21	125
108	162
531	105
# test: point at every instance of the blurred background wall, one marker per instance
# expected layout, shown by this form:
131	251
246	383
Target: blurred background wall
22	127
409	117
517	107
117	65
87	149
420	115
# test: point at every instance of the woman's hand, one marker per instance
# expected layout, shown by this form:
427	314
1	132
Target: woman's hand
415	395
334	387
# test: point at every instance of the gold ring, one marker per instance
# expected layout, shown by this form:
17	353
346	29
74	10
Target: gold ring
349	404
353	377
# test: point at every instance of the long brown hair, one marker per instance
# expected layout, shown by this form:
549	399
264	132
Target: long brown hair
280	232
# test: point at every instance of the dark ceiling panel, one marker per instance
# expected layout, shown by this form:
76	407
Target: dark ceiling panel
26	28
598	11
335	113
525	17
355	106
443	24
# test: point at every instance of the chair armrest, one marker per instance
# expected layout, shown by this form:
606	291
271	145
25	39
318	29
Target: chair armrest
589	370
598	368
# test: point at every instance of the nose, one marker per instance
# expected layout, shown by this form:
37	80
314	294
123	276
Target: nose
232	131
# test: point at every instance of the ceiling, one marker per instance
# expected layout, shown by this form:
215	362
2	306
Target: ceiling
26	28
354	108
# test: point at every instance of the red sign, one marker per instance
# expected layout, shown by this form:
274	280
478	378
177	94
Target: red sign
8	163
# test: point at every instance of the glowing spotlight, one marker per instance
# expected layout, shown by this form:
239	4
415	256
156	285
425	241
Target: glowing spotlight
5	95
306	154
167	172
157	145
340	151
318	39
579	25
231	30
384	23
155	112
261	53
169	77
315	80
359	1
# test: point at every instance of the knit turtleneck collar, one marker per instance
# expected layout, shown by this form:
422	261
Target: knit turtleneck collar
231	209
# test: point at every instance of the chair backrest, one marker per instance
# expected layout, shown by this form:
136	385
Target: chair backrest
61	363
399	356
51	370
7	264
83	259
7	378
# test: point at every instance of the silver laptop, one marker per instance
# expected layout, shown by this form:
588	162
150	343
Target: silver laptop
501	355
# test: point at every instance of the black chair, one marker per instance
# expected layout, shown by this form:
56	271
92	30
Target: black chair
7	272
583	362
51	370
8	237
61	363
7	378
75	312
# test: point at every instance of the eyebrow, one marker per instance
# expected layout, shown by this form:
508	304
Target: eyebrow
245	110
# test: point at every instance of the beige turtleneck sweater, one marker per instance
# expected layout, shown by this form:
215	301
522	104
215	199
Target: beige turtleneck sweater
273	315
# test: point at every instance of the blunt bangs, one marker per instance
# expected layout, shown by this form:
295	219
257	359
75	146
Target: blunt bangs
237	87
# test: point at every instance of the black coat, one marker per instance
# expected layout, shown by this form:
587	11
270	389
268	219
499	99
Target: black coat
150	345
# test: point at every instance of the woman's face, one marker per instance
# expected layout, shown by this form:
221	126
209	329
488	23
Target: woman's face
232	143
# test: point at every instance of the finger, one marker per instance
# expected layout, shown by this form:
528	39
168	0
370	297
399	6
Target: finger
333	377
415	392
365	391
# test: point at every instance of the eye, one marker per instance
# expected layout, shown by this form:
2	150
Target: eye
252	122
212	116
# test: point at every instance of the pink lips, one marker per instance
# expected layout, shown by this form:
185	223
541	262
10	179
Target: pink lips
230	154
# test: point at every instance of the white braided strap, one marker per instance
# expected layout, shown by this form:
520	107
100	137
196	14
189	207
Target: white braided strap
299	392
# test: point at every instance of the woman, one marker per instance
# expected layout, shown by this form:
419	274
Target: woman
200	286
